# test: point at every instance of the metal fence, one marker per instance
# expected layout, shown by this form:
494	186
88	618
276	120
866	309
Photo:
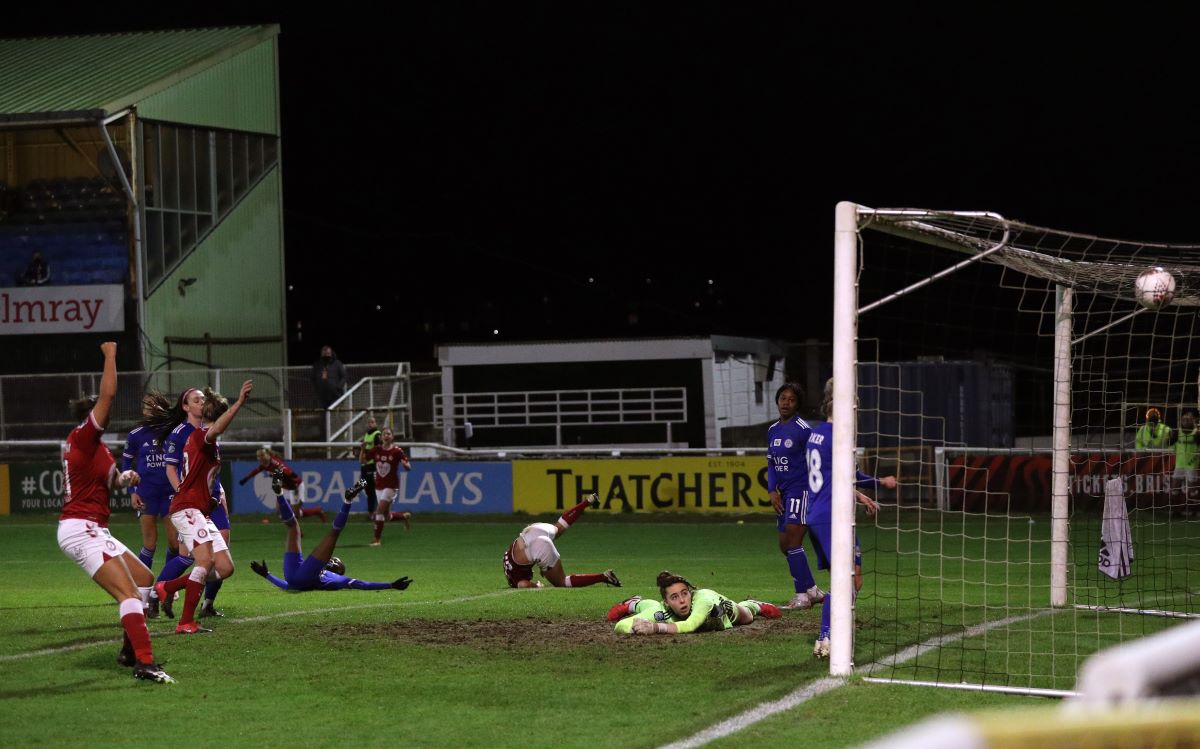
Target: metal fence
563	408
35	407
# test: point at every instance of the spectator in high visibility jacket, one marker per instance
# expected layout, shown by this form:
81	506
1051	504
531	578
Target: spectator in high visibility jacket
1154	434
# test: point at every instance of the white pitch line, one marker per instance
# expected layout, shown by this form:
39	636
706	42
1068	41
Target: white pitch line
821	686
757	713
254	619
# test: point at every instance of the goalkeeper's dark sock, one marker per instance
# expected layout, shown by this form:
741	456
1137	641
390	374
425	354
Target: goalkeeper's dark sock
582	581
343	515
802	576
825	617
571	515
174	568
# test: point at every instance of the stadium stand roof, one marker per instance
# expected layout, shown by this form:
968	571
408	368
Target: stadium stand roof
68	79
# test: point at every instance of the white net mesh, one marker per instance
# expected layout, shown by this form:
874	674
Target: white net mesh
956	396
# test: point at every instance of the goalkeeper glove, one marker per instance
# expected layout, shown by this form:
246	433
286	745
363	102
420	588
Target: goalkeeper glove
243	481
644	627
260	568
402	583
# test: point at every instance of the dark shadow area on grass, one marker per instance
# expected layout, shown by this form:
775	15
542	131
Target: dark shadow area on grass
540	633
88	685
58	606
98	627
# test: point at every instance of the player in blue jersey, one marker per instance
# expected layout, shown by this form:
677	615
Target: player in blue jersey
152	497
787	484
321	570
817	511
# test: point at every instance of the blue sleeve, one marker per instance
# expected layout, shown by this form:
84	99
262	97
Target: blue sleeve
865	479
364	585
129	453
281	584
772	480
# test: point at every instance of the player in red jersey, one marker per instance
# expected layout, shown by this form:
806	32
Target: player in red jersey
535	548
269	462
89	472
388	458
193	505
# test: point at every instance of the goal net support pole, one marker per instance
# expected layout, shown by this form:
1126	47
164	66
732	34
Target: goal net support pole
1061	462
845	339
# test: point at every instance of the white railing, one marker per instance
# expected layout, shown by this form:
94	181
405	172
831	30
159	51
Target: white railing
389	398
558	408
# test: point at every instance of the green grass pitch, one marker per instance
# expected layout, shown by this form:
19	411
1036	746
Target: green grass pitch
458	660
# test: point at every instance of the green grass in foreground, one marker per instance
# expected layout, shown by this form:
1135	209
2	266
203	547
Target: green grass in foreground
457	660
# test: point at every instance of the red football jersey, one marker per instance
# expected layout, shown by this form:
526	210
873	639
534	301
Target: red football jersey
201	464
88	466
387	466
290	481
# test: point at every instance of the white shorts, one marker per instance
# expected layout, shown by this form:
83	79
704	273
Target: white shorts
385	495
195	529
539	545
88	544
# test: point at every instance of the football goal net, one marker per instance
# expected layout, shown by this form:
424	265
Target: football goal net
1035	393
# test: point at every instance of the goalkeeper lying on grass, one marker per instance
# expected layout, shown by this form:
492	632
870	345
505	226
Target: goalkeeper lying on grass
685	609
321	570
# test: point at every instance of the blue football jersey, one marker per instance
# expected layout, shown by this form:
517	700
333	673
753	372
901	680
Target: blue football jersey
786	442
145	455
819	464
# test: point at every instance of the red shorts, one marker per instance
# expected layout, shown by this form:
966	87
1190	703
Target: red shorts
513	571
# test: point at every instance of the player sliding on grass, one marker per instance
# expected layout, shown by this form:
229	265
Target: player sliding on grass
535	545
687	610
320	570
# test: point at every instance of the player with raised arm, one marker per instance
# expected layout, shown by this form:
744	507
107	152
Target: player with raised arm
685	609
388	458
192	508
787	485
89	472
818	510
321	570
535	546
269	462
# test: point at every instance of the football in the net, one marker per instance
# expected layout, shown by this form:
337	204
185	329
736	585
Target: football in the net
1155	288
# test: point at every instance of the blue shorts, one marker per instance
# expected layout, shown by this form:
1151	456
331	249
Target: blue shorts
792	511
822	541
220	518
302	573
158	504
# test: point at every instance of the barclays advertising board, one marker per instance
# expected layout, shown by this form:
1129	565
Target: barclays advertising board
457	487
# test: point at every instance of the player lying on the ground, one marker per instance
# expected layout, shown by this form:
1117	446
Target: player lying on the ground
687	609
321	570
535	545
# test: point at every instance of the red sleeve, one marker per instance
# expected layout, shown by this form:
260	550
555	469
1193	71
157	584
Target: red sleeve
257	470
88	435
403	455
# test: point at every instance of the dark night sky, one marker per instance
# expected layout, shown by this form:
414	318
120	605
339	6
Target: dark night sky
455	169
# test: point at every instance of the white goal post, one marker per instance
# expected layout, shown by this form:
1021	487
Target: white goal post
1010	582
